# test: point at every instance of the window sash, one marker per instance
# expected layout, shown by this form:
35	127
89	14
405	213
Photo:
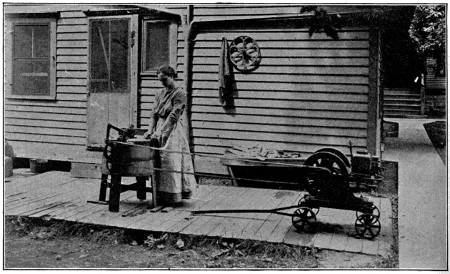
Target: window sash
150	61
107	70
33	70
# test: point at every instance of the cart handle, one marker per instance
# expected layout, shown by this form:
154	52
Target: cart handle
273	210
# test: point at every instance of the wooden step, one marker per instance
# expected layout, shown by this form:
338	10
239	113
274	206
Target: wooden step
402	106
401	91
402	96
402	101
404	115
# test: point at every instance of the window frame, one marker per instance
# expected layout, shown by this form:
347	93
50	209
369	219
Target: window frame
173	32
51	22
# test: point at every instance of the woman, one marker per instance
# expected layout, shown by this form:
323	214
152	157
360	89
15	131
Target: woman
167	128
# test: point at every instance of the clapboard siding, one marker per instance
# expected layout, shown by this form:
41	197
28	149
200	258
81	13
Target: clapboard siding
316	87
262	120
308	93
293	44
298	70
289	95
51	139
217	146
232	136
72	36
286	78
298	61
41	118
336	53
45	131
48	124
68	104
294	112
269	35
61	122
282	104
239	11
45	109
287	128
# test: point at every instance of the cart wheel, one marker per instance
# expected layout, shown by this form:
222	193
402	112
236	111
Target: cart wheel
367	226
328	160
337	153
245	53
304	219
375	211
301	203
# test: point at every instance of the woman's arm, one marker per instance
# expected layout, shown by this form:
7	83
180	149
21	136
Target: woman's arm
178	105
153	118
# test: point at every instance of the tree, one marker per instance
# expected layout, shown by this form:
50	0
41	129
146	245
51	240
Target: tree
428	33
322	21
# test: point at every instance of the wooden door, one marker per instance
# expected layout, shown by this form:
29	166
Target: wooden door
112	76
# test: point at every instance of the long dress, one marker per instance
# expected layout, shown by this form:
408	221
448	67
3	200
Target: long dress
172	184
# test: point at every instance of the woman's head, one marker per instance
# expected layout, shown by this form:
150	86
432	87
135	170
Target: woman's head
166	75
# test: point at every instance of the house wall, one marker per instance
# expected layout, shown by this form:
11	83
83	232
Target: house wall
56	129
307	94
149	85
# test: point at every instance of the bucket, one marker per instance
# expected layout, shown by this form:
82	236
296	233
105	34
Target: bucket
38	165
8	166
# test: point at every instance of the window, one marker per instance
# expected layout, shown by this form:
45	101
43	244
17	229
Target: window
33	63
109	55
156	46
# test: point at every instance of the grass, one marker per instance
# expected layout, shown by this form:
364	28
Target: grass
107	243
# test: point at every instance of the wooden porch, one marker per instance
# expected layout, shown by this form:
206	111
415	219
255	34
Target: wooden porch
56	195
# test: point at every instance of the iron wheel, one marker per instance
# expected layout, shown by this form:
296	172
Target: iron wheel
375	211
367	226
304	219
301	203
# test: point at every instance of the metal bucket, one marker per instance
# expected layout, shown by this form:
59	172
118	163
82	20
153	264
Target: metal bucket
133	159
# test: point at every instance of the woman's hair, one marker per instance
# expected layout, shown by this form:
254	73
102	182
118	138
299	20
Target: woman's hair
167	70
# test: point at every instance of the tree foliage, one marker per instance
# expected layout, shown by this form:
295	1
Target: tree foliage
322	21
428	31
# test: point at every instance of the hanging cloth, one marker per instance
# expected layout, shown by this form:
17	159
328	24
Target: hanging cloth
225	75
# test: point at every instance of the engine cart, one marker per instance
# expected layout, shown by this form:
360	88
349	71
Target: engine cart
122	158
328	177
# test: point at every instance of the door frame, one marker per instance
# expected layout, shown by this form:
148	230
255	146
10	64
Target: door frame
133	55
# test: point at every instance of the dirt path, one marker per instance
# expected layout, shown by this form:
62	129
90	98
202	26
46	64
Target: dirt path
30	245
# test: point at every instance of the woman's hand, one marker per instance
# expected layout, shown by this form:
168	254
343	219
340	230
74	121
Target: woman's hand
148	134
155	139
164	139
156	135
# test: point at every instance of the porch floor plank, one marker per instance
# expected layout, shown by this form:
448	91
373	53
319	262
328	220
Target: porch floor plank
55	195
222	200
268	201
236	202
286	198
